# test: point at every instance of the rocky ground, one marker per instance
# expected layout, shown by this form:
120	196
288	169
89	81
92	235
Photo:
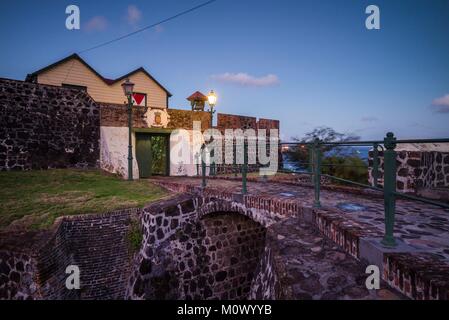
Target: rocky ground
315	268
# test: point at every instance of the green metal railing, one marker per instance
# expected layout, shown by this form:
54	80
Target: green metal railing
315	165
390	194
213	167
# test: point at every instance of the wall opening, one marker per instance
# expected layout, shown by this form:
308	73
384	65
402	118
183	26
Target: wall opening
219	256
216	257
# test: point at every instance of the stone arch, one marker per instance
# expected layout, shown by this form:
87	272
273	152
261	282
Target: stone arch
213	205
216	255
198	247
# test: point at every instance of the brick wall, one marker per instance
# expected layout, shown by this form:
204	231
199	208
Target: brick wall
44	127
183	119
230	121
113	115
97	244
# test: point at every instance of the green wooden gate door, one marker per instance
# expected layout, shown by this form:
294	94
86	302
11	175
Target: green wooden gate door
143	155
152	154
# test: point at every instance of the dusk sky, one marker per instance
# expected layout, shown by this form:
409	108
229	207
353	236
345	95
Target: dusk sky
306	63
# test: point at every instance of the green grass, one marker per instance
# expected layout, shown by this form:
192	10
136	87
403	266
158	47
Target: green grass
135	236
34	199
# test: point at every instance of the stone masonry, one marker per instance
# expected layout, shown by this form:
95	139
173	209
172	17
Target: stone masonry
199	244
416	170
44	127
32	266
197	248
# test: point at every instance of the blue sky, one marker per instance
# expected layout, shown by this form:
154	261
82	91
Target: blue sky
306	63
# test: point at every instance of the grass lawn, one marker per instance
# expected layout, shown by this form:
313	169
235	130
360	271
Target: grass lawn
34	199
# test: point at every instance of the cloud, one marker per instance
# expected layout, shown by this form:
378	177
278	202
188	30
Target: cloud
369	119
97	23
133	15
245	79
441	105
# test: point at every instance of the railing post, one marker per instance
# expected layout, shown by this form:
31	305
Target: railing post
317	171
234	165
310	153
375	171
389	188
212	166
203	167
245	166
197	156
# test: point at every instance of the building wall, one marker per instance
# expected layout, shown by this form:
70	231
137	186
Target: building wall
45	127
114	136
75	72
114	151
416	170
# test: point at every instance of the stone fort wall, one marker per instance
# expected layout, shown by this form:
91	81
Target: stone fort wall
33	266
416	170
199	248
193	247
44	127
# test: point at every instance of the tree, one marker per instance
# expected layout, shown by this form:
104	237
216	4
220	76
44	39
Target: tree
342	162
325	134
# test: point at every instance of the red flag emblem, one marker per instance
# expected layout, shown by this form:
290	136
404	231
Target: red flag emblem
139	99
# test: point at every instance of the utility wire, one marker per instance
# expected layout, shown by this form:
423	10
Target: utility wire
148	27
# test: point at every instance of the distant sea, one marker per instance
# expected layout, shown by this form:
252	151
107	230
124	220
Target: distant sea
361	152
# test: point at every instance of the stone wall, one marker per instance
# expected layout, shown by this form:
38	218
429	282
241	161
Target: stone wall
198	248
44	127
33	267
230	121
194	246
113	115
17	272
116	115
265	283
216	257
183	119
416	170
434	170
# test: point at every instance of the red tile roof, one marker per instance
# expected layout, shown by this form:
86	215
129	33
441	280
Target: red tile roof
197	96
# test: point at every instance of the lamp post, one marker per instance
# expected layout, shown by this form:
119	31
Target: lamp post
212	100
128	88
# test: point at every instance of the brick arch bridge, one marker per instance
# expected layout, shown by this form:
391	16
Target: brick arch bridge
196	246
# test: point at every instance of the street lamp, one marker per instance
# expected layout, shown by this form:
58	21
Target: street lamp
212	100
128	88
